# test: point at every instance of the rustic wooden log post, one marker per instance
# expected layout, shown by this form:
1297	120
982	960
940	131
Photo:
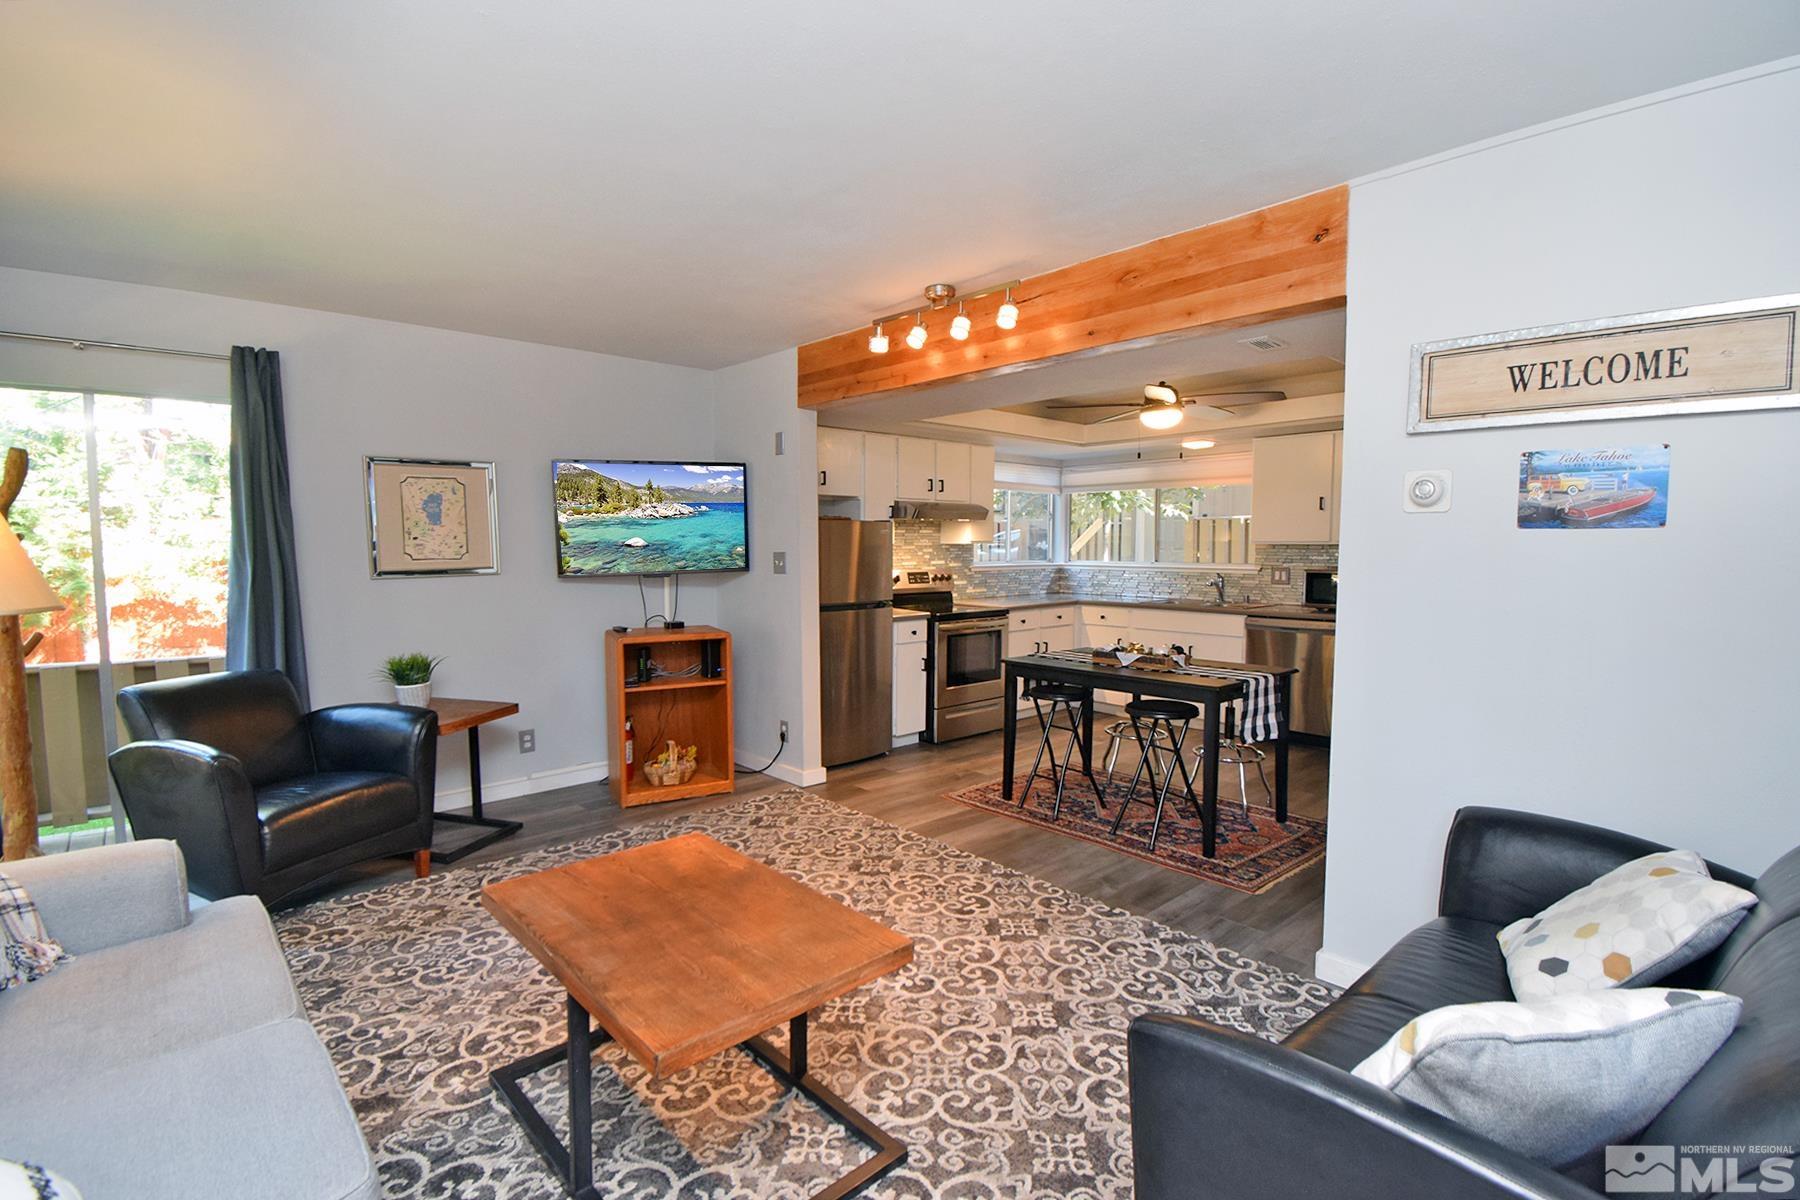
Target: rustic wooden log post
18	790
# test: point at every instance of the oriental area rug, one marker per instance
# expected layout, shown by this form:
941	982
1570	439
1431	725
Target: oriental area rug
1255	851
997	1056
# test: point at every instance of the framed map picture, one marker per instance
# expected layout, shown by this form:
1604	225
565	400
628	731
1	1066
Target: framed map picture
431	517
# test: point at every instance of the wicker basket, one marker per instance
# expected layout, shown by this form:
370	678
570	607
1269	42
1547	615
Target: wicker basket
672	772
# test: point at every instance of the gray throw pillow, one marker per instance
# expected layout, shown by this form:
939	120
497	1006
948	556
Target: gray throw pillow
1556	1079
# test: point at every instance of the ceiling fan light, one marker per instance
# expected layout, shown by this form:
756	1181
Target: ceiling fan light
1197	444
959	328
878	341
915	337
1162	393
1160	417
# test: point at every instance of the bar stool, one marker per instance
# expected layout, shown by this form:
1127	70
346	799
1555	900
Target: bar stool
1067	699
1234	751
1119	733
1161	717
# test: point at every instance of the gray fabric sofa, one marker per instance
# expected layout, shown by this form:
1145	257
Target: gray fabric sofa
170	1058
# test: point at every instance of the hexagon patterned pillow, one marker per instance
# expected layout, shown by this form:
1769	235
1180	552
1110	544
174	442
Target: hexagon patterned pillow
1633	925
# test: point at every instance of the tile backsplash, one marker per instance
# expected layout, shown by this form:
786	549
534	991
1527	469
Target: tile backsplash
917	548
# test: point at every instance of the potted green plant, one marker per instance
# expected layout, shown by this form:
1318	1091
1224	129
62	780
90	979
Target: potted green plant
411	676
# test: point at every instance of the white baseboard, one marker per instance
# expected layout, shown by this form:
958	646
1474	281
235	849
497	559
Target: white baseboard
507	789
1336	969
799	776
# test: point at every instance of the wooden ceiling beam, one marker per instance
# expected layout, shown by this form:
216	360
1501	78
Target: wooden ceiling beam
1286	260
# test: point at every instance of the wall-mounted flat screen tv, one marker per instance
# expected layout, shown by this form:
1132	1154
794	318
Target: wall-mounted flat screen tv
649	518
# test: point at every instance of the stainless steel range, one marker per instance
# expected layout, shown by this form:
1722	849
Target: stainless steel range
962	656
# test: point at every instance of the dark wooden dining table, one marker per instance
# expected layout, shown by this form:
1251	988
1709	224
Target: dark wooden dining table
1210	693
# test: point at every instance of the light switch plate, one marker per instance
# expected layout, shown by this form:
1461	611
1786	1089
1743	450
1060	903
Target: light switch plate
781	562
1283	575
1426	492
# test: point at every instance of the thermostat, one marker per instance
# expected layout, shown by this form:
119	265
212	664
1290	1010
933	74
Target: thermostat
1427	491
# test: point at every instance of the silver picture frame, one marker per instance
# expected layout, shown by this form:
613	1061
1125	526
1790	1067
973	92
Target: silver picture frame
392	558
1417	422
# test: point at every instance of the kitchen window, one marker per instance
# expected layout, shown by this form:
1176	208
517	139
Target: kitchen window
1024	528
1187	526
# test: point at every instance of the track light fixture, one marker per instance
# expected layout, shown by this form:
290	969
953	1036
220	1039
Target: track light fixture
939	295
959	327
915	337
1008	314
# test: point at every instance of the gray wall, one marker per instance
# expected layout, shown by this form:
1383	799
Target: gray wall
354	387
1641	679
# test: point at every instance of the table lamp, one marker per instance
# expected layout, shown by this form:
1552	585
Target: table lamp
22	590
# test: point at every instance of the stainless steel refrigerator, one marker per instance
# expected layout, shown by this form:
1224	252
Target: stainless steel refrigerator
856	638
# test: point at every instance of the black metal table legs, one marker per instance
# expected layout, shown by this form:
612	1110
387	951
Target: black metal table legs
573	1165
501	827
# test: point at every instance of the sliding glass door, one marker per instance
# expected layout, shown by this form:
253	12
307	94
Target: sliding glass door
126	510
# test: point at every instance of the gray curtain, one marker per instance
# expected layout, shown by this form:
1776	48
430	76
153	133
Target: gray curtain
262	606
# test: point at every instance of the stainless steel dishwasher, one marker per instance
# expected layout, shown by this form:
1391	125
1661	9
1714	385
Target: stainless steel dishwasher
1308	646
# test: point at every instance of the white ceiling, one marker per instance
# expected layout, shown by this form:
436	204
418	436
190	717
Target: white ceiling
702	183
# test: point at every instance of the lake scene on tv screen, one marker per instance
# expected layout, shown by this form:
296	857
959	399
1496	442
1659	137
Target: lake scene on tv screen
637	518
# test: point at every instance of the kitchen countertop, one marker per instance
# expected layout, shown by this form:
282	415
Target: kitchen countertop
1293	612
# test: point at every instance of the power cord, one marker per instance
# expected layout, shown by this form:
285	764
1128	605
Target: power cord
645	602
764	769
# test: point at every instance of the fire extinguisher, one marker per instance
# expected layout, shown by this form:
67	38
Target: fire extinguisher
630	742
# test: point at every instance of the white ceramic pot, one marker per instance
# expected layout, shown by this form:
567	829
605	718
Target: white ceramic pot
418	695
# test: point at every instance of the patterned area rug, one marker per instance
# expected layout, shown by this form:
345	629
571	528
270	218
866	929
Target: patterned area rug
998	1056
1255	852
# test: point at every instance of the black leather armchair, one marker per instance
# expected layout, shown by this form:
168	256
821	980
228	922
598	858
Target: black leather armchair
1215	1112
264	798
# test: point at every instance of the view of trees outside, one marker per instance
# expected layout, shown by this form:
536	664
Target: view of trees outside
165	520
1023	528
1161	525
1111	526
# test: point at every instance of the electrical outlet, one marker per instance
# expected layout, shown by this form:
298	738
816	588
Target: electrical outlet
527	741
781	562
784	731
1283	575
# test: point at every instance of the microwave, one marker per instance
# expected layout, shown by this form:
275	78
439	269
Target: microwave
1321	589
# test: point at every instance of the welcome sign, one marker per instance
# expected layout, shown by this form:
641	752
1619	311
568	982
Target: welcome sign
1718	358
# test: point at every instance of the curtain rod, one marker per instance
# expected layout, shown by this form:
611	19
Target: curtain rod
90	344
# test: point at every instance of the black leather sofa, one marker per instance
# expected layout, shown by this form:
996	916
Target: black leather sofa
264	798
1215	1112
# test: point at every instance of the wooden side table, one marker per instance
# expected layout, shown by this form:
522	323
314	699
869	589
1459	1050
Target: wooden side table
454	716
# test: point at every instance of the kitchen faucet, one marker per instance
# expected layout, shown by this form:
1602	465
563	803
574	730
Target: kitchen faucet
1218	582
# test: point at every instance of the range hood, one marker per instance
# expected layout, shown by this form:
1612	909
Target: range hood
936	510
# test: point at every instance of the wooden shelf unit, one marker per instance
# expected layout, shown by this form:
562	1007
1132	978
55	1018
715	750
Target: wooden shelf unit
686	709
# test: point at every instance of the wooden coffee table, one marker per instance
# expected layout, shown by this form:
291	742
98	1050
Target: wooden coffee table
681	949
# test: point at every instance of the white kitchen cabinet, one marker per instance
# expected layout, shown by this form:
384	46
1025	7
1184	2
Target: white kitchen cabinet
881	475
840	462
953	472
916	462
911	684
1296	482
980	491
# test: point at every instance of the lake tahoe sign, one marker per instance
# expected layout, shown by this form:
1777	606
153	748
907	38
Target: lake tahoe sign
1715	358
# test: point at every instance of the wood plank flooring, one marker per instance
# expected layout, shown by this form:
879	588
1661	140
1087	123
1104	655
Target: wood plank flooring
1283	926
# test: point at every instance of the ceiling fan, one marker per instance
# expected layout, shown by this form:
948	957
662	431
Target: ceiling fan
1162	406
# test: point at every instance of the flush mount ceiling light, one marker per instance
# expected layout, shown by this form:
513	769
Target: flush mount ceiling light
1197	444
939	295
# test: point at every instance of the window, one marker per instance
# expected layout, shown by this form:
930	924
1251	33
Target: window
127	512
1177	526
1024	528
